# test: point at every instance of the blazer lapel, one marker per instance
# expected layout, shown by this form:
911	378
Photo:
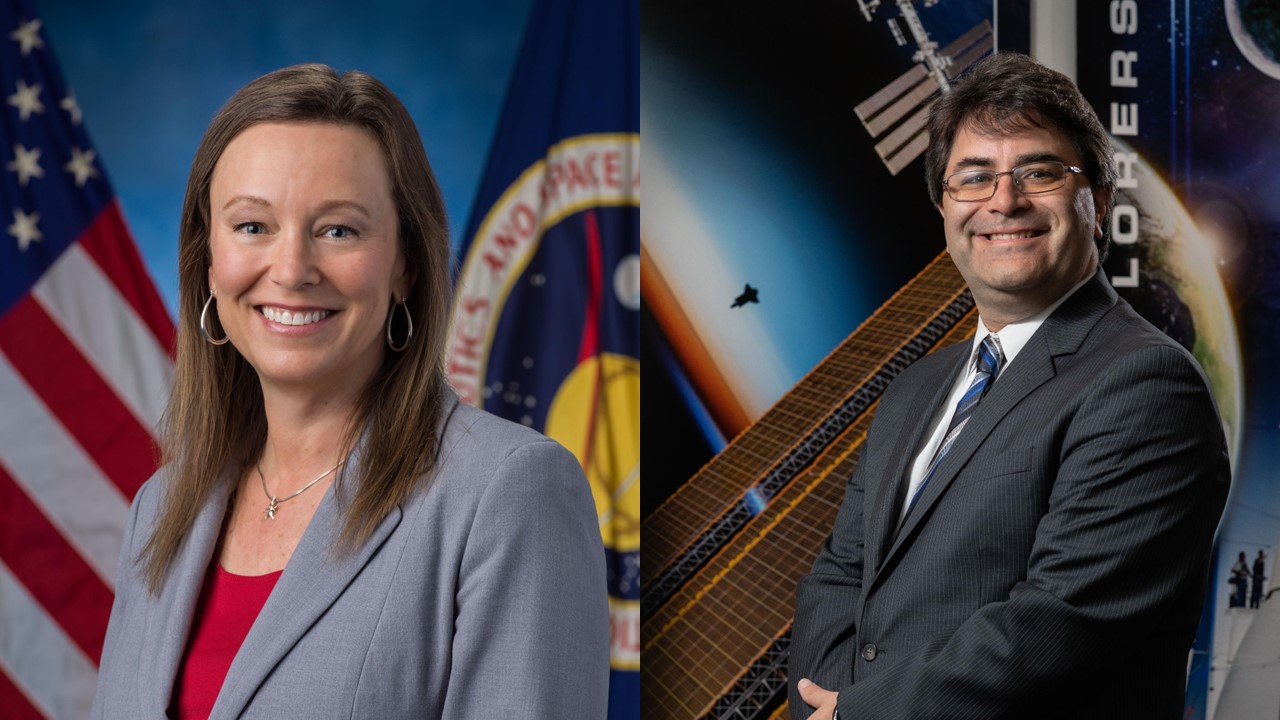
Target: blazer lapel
314	578
888	493
1062	333
176	603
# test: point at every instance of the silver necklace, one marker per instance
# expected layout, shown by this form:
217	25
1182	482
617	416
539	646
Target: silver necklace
270	512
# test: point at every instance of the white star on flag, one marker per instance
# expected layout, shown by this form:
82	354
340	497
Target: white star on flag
82	165
26	163
71	106
27	100
27	36
24	229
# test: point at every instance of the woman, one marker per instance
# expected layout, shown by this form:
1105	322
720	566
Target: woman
333	535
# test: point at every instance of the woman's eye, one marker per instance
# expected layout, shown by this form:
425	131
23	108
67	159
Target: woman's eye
340	232
251	228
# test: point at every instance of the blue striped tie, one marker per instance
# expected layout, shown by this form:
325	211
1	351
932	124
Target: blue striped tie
989	360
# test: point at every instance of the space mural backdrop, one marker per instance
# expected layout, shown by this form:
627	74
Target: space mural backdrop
1192	93
762	182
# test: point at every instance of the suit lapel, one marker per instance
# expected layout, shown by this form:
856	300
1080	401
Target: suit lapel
316	575
1062	333
176	603
923	407
1033	367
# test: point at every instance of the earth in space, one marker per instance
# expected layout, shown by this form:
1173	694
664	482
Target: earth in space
1179	289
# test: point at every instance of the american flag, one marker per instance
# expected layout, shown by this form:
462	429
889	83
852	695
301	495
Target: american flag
85	367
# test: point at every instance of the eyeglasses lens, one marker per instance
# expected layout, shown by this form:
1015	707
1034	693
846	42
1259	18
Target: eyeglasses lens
1032	178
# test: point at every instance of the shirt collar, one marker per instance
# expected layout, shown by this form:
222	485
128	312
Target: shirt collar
1014	336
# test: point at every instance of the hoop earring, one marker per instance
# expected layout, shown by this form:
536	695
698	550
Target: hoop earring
203	331
408	318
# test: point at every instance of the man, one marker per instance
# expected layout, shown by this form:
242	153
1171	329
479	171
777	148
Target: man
1259	577
1046	557
1240	579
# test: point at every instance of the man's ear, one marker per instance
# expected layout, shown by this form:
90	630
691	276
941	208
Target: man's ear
1101	203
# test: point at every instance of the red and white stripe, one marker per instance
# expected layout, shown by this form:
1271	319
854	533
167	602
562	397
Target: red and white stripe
85	370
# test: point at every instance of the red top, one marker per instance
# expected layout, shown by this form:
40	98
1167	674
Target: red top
226	610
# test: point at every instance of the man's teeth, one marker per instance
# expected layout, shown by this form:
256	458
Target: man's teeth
284	317
1014	236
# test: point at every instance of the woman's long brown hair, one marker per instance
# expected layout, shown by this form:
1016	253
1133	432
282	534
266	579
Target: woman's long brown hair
215	419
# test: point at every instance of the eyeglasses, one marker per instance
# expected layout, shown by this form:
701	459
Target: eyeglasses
1030	179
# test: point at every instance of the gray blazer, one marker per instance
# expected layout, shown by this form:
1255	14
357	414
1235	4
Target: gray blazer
1055	565
484	596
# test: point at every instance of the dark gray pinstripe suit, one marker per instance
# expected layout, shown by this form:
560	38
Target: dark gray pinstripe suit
1055	565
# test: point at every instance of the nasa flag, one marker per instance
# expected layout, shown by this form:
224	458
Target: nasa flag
545	326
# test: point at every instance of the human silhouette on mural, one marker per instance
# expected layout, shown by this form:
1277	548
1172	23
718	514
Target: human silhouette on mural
1259	574
1240	579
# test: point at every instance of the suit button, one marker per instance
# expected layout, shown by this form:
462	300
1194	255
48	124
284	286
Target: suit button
869	652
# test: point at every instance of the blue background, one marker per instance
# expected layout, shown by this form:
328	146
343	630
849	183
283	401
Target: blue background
149	75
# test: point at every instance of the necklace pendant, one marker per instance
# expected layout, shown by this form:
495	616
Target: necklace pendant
270	512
